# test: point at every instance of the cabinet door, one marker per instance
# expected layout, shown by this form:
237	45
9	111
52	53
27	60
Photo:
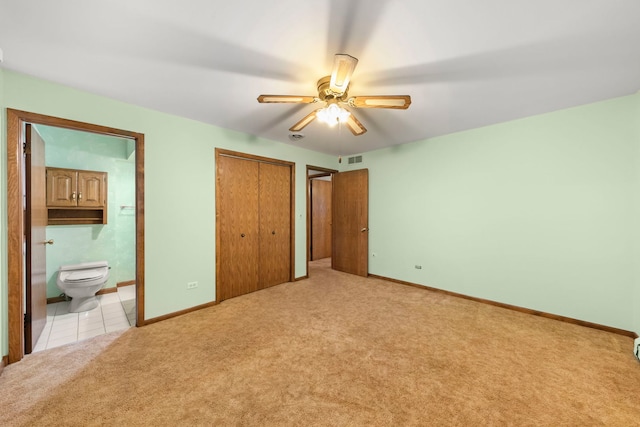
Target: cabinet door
61	187
237	200
91	189
275	224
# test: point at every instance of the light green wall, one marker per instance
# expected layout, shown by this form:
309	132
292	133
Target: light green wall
636	255
179	186
4	328
113	242
537	212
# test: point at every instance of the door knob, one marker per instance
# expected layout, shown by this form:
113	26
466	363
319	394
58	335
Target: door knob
364	229
49	242
242	235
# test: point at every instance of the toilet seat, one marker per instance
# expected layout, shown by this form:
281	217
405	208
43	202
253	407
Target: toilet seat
80	276
84	273
81	282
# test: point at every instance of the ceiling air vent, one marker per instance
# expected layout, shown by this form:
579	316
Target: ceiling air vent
355	159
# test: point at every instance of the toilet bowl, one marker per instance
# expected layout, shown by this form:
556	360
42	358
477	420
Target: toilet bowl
81	282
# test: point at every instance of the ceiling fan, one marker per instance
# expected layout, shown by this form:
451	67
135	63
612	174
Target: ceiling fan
333	91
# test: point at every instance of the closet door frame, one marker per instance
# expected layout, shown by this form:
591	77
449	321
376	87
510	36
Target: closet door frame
250	157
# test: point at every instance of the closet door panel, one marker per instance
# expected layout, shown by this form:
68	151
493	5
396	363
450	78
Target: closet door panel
238	226
275	224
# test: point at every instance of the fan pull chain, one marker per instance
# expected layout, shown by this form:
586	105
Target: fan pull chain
339	138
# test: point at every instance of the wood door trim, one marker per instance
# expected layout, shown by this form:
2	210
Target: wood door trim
292	168
4	361
16	120
328	172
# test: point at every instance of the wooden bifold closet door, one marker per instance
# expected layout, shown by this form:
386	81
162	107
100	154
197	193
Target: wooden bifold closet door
275	224
254	225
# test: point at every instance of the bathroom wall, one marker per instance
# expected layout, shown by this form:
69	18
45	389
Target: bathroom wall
113	242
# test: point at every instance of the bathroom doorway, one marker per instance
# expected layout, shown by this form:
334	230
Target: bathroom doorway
124	211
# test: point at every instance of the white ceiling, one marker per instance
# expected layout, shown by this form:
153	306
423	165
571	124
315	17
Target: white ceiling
465	63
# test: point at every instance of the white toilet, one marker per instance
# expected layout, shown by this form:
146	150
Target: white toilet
81	282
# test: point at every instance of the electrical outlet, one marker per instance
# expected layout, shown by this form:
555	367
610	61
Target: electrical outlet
192	285
636	348
418	267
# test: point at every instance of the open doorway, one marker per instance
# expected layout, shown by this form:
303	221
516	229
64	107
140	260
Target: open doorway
319	215
348	226
19	224
108	162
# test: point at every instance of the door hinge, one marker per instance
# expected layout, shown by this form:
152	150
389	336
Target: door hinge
27	318
24	149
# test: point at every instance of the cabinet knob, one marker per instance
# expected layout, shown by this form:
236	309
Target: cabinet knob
49	242
73	195
242	235
273	232
79	196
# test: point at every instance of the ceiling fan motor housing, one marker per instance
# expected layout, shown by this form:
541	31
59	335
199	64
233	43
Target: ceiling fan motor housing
325	93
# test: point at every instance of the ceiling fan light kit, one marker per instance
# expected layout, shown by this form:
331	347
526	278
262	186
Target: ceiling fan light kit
333	90
333	114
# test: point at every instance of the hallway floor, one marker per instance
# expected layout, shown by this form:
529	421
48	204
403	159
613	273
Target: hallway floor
117	310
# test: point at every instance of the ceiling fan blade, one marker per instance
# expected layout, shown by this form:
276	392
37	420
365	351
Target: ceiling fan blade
343	66
291	99
304	122
401	102
351	24
355	126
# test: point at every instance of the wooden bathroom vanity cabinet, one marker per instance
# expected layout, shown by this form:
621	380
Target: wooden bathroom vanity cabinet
76	196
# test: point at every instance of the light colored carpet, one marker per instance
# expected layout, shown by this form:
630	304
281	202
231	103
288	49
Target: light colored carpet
333	350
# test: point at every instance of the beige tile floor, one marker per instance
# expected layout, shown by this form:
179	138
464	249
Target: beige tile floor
116	311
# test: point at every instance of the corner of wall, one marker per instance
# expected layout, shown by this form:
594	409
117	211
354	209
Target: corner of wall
636	293
4	321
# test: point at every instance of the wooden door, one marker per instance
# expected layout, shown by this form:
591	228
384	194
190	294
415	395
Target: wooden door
36	223
320	219
92	188
238	224
351	222
62	187
275	224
